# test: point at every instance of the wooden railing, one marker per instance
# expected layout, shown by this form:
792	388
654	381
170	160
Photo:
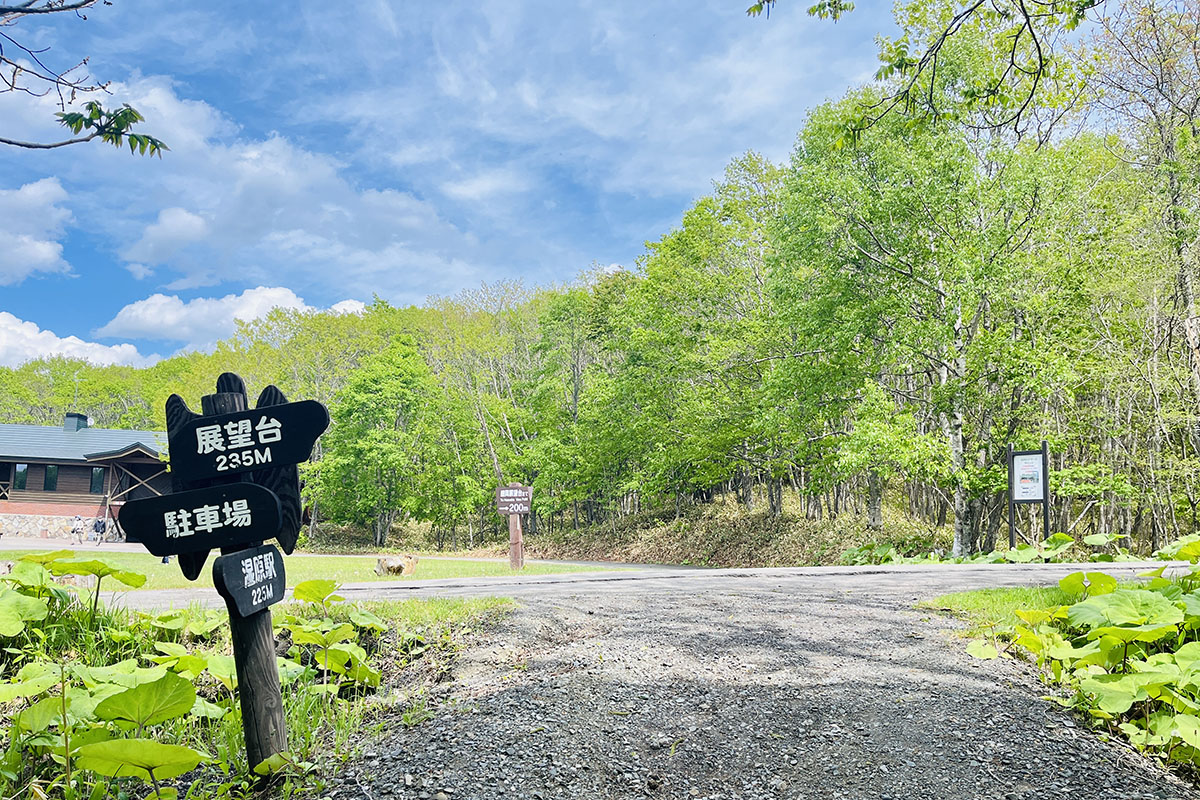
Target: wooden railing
4	490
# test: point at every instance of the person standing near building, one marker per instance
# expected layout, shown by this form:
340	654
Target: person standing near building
100	527
77	530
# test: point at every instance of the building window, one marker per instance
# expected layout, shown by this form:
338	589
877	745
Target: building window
50	484
20	476
97	480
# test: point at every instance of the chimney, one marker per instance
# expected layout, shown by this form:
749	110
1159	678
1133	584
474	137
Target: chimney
75	422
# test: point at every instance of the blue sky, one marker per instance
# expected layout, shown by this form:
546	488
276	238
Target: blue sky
322	155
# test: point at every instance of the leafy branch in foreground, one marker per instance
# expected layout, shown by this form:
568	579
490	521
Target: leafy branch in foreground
1020	34
100	123
22	69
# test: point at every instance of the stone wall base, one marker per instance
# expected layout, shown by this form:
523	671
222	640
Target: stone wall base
55	526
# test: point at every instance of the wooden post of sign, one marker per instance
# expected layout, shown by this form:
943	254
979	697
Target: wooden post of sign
516	544
254	650
1012	506
1045	490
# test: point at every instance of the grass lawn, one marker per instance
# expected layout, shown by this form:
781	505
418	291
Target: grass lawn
343	569
987	608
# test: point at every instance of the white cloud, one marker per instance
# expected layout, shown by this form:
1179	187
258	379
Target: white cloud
269	211
199	323
175	229
349	307
31	223
486	184
21	341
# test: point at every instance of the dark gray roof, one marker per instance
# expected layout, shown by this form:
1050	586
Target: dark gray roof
47	443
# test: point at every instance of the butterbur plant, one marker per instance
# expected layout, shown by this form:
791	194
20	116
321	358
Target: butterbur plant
1128	657
103	703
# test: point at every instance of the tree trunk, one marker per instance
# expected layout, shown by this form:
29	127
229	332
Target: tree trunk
874	501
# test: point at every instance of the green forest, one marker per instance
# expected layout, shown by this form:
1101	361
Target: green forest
954	259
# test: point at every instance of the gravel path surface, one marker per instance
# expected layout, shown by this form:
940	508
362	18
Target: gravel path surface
775	685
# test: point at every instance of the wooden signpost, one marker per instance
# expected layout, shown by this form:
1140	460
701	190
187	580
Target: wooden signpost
1028	482
235	485
512	501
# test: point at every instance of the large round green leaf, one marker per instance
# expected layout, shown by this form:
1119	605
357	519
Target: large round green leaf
1134	633
99	569
1124	607
150	703
317	590
119	758
1090	583
16	609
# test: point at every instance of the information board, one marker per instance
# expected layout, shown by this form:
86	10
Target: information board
1028	478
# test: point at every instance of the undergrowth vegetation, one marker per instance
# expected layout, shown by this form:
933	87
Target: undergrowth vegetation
102	702
1125	655
1059	548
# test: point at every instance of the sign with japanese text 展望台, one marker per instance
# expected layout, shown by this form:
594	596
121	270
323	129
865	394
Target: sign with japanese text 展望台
260	438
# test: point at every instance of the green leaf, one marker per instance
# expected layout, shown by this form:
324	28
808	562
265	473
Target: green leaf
121	758
99	569
207	710
27	688
317	591
365	619
1090	583
1187	728
16	609
150	703
982	650
289	671
125	673
1124	607
223	669
46	558
1023	554
282	763
1032	616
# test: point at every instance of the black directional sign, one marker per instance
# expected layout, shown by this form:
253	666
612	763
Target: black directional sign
231	515
235	484
250	580
243	441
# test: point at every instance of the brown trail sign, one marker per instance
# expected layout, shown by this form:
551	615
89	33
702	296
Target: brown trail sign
235	470
512	501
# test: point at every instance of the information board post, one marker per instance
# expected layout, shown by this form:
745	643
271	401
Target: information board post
1028	482
512	501
259	691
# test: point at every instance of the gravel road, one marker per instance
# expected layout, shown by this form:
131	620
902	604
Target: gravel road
774	684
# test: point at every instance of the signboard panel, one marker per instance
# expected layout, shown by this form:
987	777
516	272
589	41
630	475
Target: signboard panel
203	519
250	580
1028	478
514	499
223	445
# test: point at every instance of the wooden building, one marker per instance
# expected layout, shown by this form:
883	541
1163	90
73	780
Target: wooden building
48	475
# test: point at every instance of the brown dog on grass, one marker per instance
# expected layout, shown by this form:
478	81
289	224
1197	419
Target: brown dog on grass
397	565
